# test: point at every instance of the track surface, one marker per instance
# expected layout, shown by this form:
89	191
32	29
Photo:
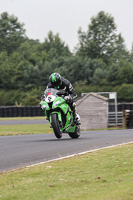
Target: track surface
17	122
23	150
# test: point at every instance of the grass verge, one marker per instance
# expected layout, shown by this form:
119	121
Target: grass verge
24	129
30	129
101	175
6	130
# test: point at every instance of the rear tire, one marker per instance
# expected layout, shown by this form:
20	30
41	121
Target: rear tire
76	134
55	125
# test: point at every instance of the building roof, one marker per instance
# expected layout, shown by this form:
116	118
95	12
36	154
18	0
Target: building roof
91	94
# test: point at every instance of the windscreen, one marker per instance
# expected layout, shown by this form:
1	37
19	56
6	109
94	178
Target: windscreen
50	91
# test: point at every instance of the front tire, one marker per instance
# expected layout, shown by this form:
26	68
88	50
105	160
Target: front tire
76	134
56	126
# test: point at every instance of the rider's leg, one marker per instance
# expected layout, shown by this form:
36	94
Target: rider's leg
75	115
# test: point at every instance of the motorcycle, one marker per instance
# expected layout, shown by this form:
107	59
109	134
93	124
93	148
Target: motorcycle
59	113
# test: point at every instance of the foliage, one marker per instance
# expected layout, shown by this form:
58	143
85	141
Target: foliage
119	73
55	47
100	63
12	33
101	40
125	92
19	97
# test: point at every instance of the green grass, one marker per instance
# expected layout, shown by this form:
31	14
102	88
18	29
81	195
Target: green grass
24	129
100	175
6	130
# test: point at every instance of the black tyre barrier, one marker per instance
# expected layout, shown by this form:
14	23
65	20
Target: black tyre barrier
29	111
22	111
120	107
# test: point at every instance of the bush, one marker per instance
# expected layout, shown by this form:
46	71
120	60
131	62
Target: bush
125	92
20	98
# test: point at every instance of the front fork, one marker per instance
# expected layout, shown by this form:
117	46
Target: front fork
59	117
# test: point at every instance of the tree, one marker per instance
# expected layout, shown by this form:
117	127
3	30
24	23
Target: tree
90	67
12	33
99	77
131	55
55	47
101	40
30	51
125	92
12	70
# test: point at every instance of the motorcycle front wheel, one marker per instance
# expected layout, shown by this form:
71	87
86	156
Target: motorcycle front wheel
56	126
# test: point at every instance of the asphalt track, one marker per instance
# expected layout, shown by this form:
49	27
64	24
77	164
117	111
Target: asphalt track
17	122
23	150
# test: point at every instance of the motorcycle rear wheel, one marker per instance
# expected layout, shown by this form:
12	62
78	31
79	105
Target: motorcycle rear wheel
76	134
56	126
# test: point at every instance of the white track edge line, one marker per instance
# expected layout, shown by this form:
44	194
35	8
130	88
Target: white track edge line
77	154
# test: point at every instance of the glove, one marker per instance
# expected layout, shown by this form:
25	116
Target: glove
68	98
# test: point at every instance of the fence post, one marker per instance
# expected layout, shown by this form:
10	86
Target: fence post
124	123
125	118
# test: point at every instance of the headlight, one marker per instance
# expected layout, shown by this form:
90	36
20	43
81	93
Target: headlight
56	103
44	107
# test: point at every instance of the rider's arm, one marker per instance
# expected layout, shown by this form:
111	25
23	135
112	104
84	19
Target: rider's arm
72	92
49	85
69	88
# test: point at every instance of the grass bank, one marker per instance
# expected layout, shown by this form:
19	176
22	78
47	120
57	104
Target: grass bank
6	130
24	129
101	175
30	129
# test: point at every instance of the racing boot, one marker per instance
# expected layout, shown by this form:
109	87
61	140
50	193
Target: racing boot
76	117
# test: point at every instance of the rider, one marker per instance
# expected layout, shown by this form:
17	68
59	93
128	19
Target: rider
58	82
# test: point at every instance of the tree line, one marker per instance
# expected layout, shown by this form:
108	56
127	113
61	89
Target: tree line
99	63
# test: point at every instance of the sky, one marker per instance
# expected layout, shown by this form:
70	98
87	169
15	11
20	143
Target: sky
67	16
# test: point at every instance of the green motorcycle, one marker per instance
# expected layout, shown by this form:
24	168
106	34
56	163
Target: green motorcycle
59	113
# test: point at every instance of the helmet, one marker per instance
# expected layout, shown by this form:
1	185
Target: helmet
55	79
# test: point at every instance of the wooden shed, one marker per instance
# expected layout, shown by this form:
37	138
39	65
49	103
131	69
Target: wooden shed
93	111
